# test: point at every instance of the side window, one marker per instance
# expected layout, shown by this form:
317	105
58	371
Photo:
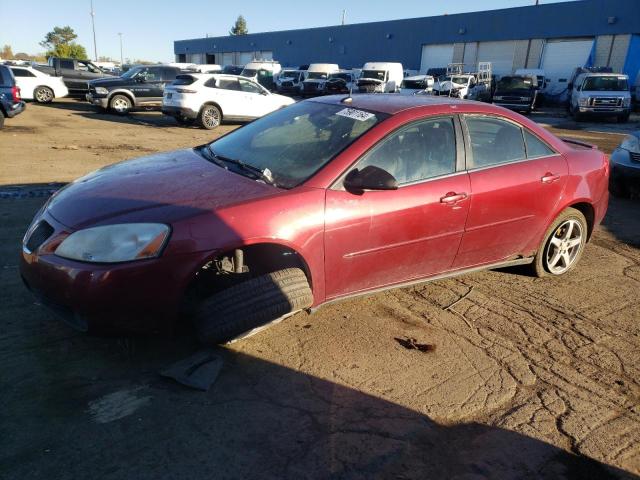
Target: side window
419	151
494	141
169	74
211	83
68	64
249	87
21	72
153	74
535	146
228	84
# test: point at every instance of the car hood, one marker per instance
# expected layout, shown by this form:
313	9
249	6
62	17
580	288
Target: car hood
111	82
165	188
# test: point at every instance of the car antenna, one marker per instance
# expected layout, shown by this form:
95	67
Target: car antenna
349	98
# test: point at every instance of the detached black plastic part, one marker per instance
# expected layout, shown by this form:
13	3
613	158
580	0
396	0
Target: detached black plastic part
199	371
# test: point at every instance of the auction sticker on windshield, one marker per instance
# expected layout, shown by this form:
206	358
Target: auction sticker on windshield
355	114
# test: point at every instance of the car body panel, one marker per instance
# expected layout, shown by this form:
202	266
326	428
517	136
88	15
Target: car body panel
35	79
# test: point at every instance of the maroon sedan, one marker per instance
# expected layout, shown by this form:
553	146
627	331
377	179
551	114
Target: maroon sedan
323	200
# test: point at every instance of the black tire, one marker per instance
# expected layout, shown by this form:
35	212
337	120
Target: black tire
624	118
540	264
251	304
210	117
575	114
43	94
120	104
617	188
1	119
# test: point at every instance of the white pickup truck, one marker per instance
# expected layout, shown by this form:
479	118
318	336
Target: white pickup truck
600	94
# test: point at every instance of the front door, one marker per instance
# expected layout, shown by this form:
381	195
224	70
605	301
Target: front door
516	182
381	238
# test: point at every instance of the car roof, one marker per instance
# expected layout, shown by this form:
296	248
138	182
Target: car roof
392	103
602	74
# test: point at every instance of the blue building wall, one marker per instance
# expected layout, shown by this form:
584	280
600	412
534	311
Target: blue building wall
401	40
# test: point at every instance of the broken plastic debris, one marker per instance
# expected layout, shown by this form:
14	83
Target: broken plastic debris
412	344
198	371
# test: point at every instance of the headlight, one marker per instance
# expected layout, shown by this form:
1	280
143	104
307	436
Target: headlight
115	243
631	143
102	91
583	102
626	102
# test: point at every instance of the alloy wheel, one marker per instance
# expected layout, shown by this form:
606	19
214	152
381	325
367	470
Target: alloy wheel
211	117
44	95
564	246
120	105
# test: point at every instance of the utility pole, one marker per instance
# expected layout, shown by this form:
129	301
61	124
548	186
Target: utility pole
344	13
93	25
121	61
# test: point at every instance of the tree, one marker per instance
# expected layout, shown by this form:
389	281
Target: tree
60	43
240	27
6	52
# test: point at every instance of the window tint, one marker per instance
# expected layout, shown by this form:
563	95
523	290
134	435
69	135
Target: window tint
169	74
5	76
419	151
249	87
67	64
228	84
186	80
21	72
535	146
494	141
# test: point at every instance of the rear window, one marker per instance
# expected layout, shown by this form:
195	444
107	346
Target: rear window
184	80
6	78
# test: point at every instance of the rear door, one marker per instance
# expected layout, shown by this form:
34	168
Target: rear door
380	238
516	183
26	80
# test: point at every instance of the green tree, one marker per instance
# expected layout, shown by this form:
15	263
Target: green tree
6	52
240	27
60	43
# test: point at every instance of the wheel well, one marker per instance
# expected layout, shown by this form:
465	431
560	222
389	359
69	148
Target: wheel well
215	105
124	94
587	210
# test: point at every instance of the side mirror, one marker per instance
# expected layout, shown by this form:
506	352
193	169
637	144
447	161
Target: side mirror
369	178
141	79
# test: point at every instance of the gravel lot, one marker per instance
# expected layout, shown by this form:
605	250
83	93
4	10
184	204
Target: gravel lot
530	378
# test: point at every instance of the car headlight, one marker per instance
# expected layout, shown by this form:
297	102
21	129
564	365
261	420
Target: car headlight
115	243
583	102
631	143
626	102
102	91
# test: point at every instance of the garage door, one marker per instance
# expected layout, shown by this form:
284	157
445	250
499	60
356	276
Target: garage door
227	58
245	57
500	54
560	58
436	56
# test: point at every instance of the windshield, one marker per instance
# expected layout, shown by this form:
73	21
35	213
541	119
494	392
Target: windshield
132	72
297	141
288	74
459	80
375	74
514	83
248	72
605	84
343	76
317	75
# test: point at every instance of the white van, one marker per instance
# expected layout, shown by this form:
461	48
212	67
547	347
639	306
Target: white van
317	75
262	71
380	77
600	94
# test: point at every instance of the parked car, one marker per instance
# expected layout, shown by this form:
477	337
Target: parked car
76	74
10	102
210	99
600	94
320	201
317	75
262	72
290	81
540	80
38	86
625	167
464	85
340	82
417	84
516	92
141	86
380	77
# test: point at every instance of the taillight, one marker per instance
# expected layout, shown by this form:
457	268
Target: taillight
184	90
15	93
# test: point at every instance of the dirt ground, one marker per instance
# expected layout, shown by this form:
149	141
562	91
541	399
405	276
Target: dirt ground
530	378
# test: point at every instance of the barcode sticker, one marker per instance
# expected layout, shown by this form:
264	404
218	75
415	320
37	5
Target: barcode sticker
355	114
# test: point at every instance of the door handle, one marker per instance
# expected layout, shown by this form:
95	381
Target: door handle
452	197
549	178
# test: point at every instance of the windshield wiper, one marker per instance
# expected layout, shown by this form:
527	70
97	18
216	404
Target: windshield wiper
264	175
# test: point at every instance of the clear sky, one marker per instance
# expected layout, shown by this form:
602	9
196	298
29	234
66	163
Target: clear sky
149	27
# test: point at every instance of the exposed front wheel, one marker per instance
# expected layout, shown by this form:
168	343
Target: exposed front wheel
243	308
43	95
120	104
563	244
210	117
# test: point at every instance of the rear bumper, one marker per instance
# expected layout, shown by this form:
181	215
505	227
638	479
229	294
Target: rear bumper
16	109
179	112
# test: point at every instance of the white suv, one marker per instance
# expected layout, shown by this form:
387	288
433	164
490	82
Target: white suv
210	98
